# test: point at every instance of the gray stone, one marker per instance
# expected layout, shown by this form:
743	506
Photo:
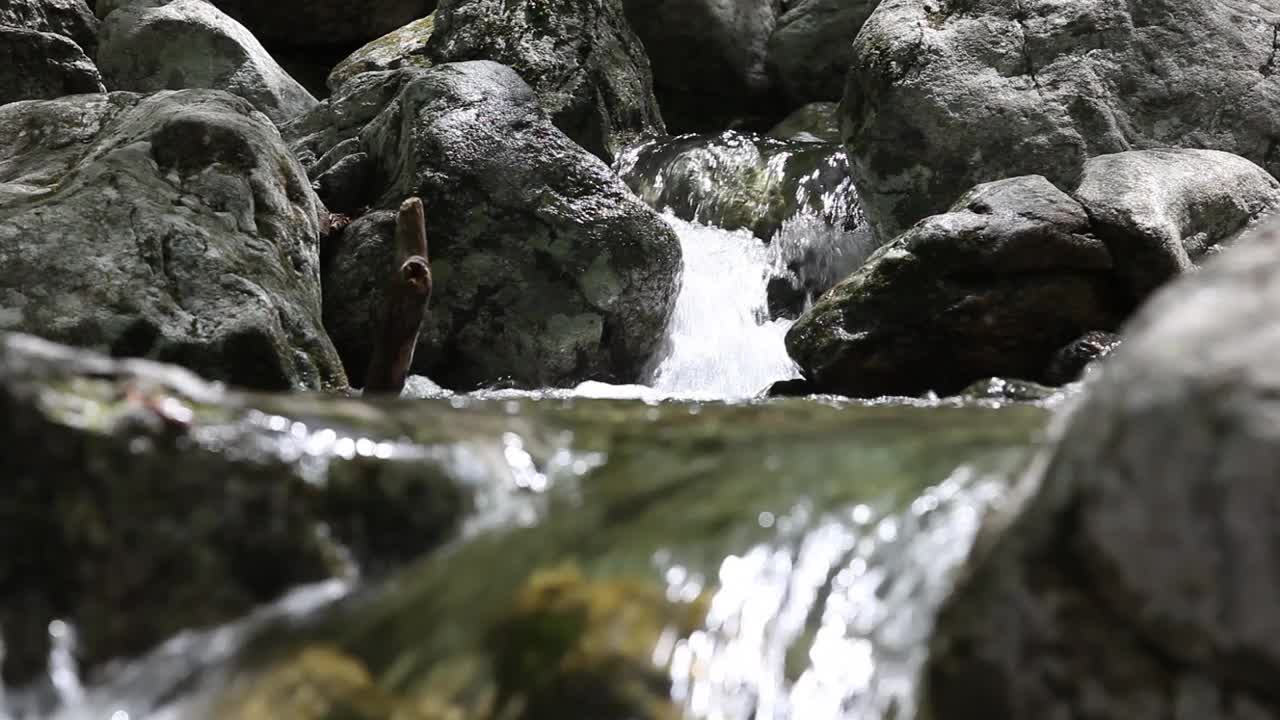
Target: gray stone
148	45
944	95
42	66
323	23
174	226
815	122
810	51
992	288
1161	210
71	18
587	67
547	270
708	57
403	47
1143	573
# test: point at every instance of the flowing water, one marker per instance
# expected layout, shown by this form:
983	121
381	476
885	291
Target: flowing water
644	551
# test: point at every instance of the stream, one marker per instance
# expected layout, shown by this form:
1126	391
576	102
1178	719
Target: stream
679	548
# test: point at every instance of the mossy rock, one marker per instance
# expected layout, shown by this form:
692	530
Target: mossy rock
403	47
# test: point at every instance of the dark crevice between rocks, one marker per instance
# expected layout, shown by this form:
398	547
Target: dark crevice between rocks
1268	68
1020	15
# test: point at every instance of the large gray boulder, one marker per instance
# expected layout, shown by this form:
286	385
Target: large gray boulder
319	24
41	66
991	288
810	51
1142	578
149	45
587	68
174	226
71	18
708	57
944	95
1161	210
547	270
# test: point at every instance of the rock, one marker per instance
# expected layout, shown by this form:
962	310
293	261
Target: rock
130	485
812	47
322	24
992	288
739	180
515	211
328	133
1160	210
149	45
42	66
1004	391
588	70
1069	363
942	96
708	58
71	18
815	122
404	47
1140	579
174	226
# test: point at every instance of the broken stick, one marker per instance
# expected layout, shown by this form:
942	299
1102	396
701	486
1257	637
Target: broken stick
398	320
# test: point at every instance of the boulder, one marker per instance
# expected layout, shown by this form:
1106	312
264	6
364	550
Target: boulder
324	23
944	95
41	66
175	226
1161	210
403	47
1139	579
547	271
815	122
149	45
992	288
587	68
70	18
812	47
708	58
140	501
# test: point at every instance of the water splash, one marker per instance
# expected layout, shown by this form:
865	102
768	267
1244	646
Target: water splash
720	340
831	620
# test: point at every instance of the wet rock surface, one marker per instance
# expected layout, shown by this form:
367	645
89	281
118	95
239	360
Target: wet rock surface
174	226
547	270
71	18
1069	363
992	288
942	96
149	45
587	68
1139	579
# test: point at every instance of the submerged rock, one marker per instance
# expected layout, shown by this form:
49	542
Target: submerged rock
812	47
71	18
815	122
942	96
547	270
992	288
587	68
320	24
739	180
149	45
708	58
42	66
140	501
1159	211
1139	580
174	226
403	47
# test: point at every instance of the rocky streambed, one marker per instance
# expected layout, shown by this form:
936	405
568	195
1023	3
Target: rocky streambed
783	359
